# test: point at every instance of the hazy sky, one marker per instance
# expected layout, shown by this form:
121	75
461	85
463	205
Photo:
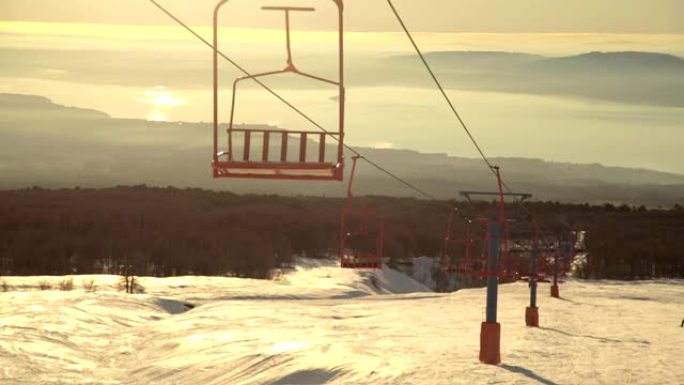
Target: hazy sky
607	16
147	67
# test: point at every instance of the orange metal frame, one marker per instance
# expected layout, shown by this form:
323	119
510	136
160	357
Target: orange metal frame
463	261
360	224
227	164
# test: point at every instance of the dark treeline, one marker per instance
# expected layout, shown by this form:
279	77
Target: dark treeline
170	231
624	243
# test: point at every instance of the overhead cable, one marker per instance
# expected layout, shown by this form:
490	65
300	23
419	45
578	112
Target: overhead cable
448	100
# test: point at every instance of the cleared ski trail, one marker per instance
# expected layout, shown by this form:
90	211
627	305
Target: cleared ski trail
324	325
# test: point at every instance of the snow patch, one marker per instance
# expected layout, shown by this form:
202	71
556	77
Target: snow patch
173	306
321	324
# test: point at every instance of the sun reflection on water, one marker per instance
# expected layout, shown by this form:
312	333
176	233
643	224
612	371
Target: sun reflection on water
157	116
162	101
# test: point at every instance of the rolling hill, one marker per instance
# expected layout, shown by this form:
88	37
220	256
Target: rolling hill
626	77
87	148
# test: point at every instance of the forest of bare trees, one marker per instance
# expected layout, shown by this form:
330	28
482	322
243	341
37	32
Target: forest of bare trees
168	231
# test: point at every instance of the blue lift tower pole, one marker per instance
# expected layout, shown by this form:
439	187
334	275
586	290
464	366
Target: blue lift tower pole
492	269
490	332
532	312
555	292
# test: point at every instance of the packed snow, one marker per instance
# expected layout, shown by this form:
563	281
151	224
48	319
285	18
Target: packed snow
320	324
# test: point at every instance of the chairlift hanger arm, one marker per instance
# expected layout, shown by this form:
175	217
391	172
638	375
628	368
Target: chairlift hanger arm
286	11
276	8
486	193
471	194
289	69
284	71
351	180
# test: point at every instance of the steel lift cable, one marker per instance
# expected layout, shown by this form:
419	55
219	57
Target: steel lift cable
439	85
448	100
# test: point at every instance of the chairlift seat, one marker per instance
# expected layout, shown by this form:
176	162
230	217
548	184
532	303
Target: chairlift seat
265	154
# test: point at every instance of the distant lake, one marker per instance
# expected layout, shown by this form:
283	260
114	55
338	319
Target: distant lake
167	76
552	128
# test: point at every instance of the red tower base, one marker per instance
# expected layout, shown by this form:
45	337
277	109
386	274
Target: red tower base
532	316
490	343
555	293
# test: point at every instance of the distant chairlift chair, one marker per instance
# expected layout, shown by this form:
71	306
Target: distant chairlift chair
472	258
461	252
361	233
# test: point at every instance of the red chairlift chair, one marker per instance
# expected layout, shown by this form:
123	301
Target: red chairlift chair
524	236
361	233
548	251
475	263
462	252
524	267
263	153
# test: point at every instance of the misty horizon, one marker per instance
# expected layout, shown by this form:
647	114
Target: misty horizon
335	217
660	17
614	96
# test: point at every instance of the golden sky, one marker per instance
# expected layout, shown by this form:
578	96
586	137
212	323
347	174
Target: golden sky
597	16
126	58
79	36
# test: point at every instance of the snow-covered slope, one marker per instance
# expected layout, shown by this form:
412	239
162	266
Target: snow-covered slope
324	325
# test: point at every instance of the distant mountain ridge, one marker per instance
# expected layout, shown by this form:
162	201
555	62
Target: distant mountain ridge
481	60
68	153
647	60
626	77
630	77
19	106
613	63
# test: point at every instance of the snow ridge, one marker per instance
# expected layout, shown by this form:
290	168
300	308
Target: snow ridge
320	324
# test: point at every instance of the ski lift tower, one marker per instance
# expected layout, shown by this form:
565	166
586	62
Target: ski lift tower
497	227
